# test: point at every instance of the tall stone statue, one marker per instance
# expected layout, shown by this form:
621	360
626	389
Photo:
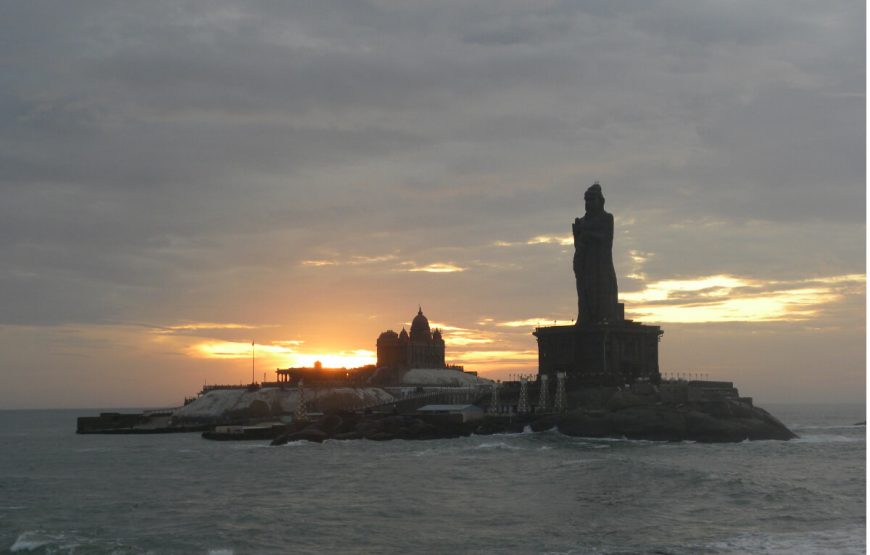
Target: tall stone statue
593	263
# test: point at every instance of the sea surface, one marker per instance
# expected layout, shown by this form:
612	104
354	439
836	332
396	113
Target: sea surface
519	493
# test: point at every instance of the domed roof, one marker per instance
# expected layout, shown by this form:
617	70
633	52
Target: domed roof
404	335
420	327
388	336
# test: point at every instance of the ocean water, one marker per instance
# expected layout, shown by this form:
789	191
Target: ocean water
520	493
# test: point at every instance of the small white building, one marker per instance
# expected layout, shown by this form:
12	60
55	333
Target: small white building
464	413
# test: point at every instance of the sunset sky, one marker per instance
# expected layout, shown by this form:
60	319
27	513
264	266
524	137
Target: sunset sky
181	178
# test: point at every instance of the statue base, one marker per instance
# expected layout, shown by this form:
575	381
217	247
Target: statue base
600	354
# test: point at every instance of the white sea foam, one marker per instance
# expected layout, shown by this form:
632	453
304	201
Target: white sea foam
840	542
221	551
441	449
294	444
829	427
582	439
498	445
595	445
827	438
53	542
33	540
249	445
576	461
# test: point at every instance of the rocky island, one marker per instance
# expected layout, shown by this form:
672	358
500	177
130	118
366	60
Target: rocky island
598	378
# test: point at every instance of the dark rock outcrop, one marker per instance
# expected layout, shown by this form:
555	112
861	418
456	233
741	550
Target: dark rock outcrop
621	415
721	421
375	428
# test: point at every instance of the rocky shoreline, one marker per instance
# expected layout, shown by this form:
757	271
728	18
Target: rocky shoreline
705	422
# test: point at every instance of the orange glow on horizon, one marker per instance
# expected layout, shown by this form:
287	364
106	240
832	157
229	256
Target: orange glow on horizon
343	359
437	268
496	357
536	323
236	349
281	355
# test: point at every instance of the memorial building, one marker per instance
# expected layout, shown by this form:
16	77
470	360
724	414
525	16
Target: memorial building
422	348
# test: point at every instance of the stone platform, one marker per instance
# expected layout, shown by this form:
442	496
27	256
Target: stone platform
602	354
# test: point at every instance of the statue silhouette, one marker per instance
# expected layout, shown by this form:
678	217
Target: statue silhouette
593	262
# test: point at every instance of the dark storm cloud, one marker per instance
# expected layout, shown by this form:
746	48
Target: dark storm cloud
154	149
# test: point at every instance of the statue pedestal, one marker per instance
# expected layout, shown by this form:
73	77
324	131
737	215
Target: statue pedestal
601	354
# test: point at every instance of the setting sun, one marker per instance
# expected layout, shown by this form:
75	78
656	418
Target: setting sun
344	359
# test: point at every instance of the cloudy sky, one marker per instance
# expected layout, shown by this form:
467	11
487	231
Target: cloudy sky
179	178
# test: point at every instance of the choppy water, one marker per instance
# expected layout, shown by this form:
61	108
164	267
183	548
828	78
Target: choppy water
521	493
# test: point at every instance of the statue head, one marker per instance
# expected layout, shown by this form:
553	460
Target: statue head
594	199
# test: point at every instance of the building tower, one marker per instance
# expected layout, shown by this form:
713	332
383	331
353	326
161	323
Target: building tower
420	346
543	394
438	349
301	413
493	401
561	403
391	353
523	405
